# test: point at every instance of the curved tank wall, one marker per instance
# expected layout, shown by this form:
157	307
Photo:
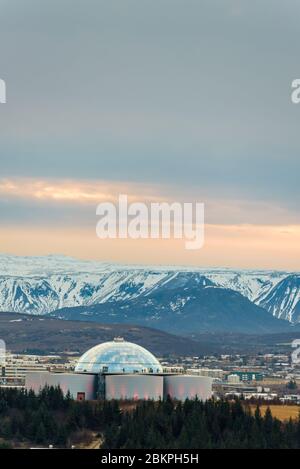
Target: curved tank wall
133	387
183	387
77	384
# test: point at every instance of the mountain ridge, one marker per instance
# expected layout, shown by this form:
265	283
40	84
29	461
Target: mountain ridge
45	284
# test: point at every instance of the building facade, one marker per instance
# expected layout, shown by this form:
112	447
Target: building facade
121	370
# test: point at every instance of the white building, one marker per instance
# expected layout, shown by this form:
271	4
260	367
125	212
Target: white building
122	370
233	379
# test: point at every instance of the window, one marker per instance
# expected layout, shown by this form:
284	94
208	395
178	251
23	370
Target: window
81	396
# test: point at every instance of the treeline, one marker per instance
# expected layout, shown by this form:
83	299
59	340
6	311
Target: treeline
194	425
50	417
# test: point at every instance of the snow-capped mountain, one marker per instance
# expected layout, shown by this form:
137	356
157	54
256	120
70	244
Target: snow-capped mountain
187	303
254	285
283	300
40	285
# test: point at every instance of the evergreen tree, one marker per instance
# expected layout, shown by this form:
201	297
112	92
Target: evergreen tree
40	436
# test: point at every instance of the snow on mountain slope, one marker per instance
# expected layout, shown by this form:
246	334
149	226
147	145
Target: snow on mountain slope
187	303
43	295
283	300
254	285
39	285
43	266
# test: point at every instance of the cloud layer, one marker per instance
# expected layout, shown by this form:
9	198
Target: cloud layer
181	100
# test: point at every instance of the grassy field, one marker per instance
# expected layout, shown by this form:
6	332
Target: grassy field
282	412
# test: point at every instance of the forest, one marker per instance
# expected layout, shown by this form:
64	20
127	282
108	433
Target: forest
51	418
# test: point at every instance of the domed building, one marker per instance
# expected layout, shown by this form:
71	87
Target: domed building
121	370
118	356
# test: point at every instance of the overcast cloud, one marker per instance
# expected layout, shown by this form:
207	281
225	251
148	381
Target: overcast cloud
193	95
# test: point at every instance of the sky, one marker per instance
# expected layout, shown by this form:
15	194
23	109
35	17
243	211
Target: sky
171	100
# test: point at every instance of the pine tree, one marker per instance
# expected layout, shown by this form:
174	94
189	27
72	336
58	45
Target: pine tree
40	436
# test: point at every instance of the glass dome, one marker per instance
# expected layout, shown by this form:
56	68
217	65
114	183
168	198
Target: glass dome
118	356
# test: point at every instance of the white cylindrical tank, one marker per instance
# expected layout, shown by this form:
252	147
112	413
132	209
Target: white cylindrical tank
80	386
183	387
133	387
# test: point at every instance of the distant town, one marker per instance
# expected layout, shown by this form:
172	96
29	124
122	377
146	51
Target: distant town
268	377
